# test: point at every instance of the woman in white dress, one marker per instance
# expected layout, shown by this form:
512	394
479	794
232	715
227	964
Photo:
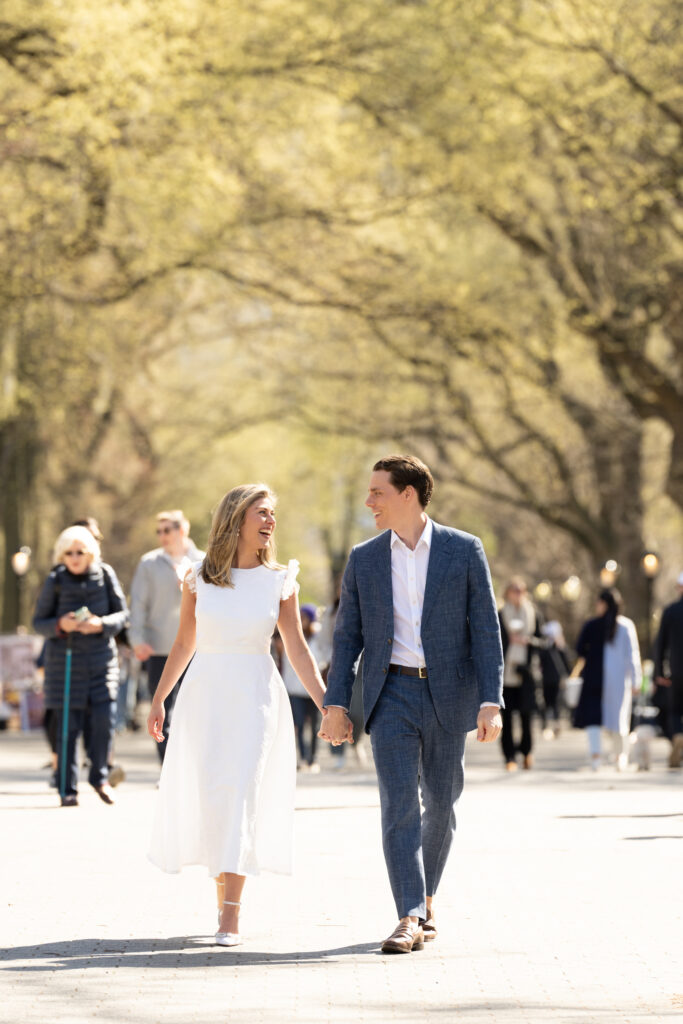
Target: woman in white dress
226	794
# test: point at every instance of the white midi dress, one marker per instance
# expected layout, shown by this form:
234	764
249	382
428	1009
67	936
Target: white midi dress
226	793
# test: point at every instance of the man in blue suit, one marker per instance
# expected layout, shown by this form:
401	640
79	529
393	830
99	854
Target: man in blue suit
419	603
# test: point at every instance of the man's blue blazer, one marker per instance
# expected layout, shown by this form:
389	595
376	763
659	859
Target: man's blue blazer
460	628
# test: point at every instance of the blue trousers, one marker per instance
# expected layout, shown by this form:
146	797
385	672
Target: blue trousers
415	756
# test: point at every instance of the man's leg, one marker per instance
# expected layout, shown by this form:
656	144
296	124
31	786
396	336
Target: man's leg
396	745
526	740
507	739
443	766
299	717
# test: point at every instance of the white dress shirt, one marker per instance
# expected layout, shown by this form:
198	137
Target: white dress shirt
408	579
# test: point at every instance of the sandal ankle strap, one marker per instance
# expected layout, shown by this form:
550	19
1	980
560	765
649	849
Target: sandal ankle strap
231	903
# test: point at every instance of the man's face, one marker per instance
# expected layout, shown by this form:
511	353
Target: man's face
386	503
168	534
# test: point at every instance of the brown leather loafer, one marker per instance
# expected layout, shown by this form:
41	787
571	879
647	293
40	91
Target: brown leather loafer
105	793
429	927
406	937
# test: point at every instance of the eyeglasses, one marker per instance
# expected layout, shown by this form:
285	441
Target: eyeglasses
74	554
167	529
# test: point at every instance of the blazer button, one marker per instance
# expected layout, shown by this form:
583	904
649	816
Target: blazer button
384	671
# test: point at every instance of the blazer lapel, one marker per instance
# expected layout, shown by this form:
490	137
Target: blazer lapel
436	569
383	574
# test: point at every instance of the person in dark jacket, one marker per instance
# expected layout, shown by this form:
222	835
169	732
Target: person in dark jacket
521	636
668	671
555	668
82	606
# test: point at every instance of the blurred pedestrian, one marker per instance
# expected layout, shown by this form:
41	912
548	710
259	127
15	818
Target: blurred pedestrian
155	602
81	607
304	709
116	772
668	671
555	668
521	636
609	663
49	720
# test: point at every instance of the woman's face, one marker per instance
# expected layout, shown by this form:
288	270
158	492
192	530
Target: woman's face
259	524
600	607
77	559
514	595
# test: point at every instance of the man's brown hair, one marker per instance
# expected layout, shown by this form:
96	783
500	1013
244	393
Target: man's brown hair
408	471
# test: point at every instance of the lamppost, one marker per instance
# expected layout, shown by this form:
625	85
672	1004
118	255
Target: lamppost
650	564
20	562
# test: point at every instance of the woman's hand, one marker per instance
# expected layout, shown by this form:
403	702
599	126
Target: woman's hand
155	722
91	625
68	623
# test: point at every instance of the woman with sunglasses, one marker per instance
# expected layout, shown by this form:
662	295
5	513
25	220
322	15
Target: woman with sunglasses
82	608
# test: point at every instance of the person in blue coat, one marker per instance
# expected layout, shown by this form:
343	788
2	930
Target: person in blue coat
418	601
81	606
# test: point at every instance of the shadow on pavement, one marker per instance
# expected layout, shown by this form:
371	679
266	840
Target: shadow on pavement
589	817
80	954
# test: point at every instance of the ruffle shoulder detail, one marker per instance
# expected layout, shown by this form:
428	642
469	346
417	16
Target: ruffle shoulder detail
289	583
191	577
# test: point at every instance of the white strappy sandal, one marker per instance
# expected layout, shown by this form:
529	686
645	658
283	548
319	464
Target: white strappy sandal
228	938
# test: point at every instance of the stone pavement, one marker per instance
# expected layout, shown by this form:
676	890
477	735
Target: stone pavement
562	902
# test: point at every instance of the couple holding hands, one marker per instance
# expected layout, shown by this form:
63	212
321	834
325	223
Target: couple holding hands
418	603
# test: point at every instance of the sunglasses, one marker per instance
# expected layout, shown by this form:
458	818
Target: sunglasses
167	529
74	554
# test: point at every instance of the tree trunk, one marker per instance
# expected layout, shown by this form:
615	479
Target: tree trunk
17	469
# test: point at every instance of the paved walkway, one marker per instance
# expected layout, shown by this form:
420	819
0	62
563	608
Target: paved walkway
562	902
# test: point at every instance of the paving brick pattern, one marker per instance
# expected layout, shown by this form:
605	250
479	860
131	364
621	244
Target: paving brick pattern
562	902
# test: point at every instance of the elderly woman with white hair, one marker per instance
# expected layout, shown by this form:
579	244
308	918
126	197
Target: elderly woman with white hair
81	608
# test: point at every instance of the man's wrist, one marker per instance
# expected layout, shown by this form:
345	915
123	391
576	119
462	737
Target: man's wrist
336	707
489	704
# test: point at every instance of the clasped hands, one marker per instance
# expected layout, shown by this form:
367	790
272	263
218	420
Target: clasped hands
70	624
336	727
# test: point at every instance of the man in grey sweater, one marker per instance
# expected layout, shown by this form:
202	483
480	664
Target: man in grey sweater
155	602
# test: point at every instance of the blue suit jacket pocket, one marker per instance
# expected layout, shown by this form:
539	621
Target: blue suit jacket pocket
465	669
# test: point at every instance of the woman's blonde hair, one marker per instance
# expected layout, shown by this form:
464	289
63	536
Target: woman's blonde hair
225	530
75	535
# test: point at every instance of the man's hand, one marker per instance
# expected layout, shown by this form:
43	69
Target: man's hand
336	727
489	724
662	681
143	651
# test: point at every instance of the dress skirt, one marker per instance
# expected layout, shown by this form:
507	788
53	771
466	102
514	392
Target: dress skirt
227	787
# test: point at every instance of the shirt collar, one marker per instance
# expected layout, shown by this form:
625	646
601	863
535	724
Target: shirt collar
425	537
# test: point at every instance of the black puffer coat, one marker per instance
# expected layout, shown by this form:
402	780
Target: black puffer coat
94	661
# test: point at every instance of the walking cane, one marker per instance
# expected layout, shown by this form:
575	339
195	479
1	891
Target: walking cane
65	719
